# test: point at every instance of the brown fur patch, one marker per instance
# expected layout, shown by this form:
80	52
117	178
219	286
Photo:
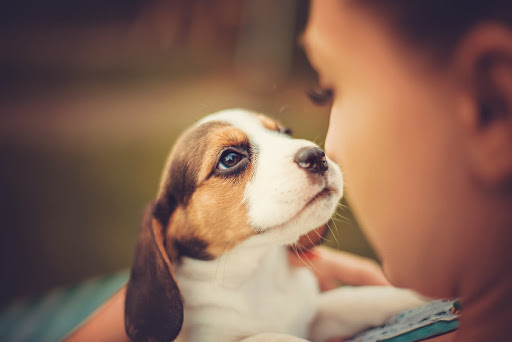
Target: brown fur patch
219	139
268	123
207	213
272	124
215	214
181	173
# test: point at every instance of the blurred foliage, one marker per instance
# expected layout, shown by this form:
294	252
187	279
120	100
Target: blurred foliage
88	114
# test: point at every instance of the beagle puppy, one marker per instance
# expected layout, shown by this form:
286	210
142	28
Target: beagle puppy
211	259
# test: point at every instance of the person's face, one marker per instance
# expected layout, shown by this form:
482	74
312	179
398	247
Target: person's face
392	134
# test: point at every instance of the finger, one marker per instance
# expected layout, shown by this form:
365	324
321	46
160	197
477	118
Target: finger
351	269
328	284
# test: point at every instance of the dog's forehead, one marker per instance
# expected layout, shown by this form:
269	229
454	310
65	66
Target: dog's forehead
249	122
194	153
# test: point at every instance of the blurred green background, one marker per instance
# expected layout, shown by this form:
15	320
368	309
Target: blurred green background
93	94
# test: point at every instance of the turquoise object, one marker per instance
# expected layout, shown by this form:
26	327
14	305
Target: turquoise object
53	316
426	321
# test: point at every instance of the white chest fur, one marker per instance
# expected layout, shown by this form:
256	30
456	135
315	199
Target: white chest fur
247	291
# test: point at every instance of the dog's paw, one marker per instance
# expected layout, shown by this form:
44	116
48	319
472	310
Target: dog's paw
345	311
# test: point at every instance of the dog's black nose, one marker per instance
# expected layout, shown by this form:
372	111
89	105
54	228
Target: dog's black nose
312	159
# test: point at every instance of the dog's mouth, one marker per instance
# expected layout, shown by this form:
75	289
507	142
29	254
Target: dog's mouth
324	193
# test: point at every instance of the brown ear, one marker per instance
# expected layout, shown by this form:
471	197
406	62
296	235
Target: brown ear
311	239
153	305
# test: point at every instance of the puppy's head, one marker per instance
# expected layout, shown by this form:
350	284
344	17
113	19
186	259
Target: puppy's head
235	176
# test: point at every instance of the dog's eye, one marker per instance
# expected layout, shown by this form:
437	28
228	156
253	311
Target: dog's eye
229	159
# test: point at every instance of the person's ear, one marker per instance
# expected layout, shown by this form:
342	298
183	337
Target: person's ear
483	62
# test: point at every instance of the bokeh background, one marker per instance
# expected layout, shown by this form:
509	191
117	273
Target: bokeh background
93	94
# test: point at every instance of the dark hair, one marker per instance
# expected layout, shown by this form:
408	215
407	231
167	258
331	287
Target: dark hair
439	23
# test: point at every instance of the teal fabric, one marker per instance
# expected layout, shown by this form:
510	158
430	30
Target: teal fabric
53	316
420	334
434	318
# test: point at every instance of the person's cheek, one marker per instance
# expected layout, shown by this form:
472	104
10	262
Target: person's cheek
351	142
344	146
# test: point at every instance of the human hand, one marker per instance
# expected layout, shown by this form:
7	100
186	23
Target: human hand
334	268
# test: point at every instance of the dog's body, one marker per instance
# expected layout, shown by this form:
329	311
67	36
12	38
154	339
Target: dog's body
235	193
245	293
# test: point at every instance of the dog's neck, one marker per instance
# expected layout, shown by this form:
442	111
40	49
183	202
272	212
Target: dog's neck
252	289
235	267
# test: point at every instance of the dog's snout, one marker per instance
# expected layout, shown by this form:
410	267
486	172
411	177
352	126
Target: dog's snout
312	159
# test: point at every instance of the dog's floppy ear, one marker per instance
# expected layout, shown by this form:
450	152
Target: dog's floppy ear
153	305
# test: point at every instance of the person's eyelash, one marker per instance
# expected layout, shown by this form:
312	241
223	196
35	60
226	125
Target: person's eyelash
320	96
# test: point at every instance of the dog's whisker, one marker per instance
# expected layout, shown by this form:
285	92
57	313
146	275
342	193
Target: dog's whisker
335	227
306	249
222	254
341	205
225	265
320	236
313	252
341	218
337	234
230	252
337	214
333	235
312	243
294	246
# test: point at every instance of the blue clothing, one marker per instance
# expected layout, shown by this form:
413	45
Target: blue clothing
58	313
